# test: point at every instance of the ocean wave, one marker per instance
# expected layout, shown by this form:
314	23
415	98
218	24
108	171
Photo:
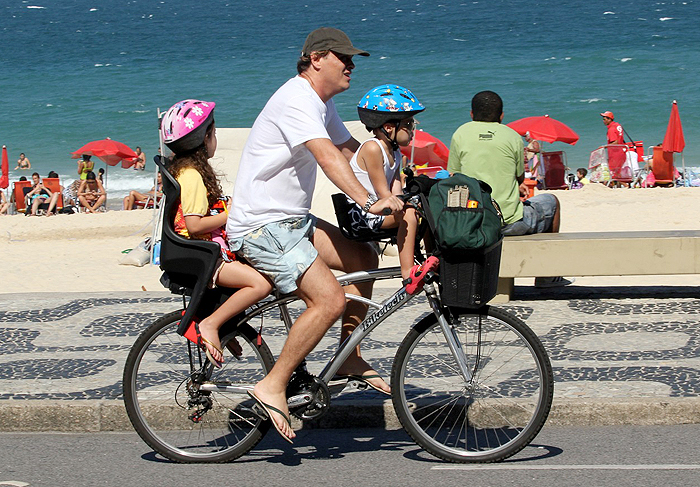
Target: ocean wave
608	13
664	19
36	6
590	100
625	59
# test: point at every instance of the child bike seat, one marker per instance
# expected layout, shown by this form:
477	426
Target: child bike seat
342	214
188	264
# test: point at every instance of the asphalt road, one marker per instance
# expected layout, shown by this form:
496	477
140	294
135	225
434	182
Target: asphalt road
572	456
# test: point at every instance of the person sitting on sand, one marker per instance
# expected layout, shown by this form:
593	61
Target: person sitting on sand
38	195
91	193
134	196
23	162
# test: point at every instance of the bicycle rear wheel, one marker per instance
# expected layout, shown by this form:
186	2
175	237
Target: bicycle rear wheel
182	417
488	417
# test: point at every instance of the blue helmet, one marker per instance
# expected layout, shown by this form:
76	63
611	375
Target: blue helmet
387	103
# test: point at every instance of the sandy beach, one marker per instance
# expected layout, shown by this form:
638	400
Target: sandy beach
81	253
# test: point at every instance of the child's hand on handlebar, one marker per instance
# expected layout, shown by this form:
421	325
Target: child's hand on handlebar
387	206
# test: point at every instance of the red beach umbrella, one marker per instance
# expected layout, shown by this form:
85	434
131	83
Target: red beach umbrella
108	150
674	140
5	178
426	149
546	129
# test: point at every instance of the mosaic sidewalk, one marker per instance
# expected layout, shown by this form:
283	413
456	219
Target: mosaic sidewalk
72	347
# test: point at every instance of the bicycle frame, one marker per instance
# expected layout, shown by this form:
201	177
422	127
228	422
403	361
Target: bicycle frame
382	311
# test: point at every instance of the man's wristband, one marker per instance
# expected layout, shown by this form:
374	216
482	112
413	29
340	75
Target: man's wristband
371	199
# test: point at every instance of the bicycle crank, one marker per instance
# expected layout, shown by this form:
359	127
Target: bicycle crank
308	397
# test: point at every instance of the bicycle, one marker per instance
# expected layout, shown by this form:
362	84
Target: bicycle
468	385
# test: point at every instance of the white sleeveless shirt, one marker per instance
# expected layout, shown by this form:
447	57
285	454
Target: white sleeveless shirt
391	167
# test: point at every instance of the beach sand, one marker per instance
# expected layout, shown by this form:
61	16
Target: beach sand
81	253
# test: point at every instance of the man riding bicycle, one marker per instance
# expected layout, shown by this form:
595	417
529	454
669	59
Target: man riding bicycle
270	223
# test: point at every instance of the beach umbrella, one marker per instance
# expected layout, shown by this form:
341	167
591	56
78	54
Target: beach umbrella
546	129
426	149
108	150
5	178
674	141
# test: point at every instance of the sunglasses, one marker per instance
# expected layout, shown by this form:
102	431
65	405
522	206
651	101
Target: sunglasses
343	58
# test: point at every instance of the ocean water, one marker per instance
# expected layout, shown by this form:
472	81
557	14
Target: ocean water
79	70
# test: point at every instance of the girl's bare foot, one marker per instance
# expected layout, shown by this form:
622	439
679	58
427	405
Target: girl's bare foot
210	339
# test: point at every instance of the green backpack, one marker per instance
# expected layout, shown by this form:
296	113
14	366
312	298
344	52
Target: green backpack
464	214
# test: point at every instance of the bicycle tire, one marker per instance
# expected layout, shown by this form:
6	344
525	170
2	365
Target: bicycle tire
156	373
495	414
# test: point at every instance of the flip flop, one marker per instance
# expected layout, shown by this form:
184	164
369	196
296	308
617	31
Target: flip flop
269	409
201	341
364	379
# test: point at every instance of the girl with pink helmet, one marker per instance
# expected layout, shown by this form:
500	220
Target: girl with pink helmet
188	130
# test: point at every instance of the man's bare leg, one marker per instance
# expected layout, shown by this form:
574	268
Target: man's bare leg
346	255
325	302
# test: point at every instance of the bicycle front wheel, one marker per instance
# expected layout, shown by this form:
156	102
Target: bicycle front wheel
490	414
184	416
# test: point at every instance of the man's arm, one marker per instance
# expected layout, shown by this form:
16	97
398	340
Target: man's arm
348	148
334	164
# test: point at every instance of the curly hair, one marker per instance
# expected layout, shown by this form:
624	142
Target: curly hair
198	158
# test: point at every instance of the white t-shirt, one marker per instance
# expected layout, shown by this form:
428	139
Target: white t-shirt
391	166
277	173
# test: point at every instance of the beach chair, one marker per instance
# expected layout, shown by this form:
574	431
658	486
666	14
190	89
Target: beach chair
54	184
18	195
148	203
554	169
662	167
620	163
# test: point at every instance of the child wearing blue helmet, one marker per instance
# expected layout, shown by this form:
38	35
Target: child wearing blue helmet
387	111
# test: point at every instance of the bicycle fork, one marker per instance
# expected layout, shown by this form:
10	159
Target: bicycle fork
449	331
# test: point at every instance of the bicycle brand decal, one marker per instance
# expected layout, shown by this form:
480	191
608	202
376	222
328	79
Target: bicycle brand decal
384	310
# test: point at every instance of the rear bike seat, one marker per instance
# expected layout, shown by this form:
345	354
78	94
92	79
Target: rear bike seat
342	213
188	265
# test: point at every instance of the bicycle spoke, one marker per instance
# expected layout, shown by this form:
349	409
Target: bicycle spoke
491	416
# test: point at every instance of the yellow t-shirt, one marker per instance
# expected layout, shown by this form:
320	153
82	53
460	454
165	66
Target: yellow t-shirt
193	199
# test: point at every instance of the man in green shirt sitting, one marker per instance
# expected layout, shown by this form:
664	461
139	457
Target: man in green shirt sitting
487	150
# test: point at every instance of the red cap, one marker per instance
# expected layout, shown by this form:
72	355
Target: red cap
608	114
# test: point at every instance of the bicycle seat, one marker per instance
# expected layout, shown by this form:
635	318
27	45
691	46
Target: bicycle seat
342	213
188	265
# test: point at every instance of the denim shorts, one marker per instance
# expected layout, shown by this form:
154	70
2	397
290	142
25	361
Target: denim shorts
280	250
538	215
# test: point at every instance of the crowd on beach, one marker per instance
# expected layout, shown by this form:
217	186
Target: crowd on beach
39	196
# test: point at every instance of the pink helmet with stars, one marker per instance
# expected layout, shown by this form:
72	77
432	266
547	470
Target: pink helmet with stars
185	124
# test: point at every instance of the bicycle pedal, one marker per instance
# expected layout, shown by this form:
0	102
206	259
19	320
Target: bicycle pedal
358	384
